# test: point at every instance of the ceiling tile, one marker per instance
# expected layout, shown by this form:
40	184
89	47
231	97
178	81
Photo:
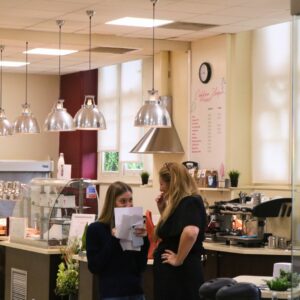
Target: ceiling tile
34	21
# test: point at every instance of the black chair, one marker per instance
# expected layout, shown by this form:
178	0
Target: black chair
239	291
209	289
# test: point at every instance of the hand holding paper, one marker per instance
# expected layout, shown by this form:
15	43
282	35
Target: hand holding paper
126	219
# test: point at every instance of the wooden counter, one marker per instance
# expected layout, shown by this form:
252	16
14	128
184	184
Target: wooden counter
245	250
40	265
221	260
29	248
266	293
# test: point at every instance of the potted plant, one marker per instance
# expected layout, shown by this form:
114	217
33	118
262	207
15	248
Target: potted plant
234	177
67	280
145	177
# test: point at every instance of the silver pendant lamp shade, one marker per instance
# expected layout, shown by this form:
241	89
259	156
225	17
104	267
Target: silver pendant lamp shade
153	113
59	119
26	123
160	140
89	117
5	126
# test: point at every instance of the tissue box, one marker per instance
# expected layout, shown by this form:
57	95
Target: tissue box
287	267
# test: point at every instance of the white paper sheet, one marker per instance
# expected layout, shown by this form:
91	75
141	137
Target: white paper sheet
17	227
125	220
78	223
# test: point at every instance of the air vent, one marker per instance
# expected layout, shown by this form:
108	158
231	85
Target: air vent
112	50
18	284
187	26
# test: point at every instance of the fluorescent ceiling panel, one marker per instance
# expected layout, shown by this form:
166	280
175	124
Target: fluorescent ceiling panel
48	51
13	64
138	22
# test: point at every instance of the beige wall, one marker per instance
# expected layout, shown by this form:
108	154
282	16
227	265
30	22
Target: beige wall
230	58
42	94
173	80
239	105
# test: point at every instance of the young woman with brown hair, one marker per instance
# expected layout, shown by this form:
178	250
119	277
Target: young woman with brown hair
119	273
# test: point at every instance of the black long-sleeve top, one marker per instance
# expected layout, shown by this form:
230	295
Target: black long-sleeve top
119	272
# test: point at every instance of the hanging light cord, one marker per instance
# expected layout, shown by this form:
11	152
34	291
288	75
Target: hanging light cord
90	13
153	41
60	23
90	41
26	73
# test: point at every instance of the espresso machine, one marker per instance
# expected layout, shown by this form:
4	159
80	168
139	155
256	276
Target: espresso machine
234	221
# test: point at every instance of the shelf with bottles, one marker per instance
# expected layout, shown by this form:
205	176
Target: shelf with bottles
48	211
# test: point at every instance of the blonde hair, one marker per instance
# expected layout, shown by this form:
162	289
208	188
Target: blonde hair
180	183
114	190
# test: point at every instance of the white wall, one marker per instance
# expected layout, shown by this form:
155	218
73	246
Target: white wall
42	94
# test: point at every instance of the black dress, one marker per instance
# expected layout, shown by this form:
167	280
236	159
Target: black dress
182	282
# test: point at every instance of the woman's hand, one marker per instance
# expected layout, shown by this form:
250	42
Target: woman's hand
140	231
161	202
113	231
170	257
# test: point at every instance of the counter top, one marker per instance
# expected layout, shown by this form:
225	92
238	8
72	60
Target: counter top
244	250
84	259
221	247
30	248
265	291
4	238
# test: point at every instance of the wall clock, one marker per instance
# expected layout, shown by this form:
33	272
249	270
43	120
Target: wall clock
205	72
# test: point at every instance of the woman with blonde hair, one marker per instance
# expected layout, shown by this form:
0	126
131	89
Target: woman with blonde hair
118	272
177	259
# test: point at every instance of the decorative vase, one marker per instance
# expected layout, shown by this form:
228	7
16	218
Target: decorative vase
73	297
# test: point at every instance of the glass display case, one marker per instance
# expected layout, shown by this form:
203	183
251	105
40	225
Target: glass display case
11	202
48	208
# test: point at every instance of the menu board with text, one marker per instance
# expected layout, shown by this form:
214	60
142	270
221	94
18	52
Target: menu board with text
208	126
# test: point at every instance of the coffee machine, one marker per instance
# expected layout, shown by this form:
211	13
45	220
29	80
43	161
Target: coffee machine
235	223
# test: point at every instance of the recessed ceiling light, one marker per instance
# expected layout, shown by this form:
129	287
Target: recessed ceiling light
138	22
48	51
14	64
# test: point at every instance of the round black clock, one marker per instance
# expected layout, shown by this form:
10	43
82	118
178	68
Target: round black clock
205	72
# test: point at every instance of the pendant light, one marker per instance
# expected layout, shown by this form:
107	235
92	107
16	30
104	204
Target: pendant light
26	122
59	119
153	113
89	117
5	126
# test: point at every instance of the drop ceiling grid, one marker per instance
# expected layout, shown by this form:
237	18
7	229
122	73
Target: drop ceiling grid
38	18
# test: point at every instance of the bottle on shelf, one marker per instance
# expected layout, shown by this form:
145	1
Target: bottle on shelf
60	166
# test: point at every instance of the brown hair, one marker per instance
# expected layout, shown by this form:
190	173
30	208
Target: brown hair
114	190
180	183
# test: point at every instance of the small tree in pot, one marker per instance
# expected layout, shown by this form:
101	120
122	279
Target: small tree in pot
145	177
234	177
